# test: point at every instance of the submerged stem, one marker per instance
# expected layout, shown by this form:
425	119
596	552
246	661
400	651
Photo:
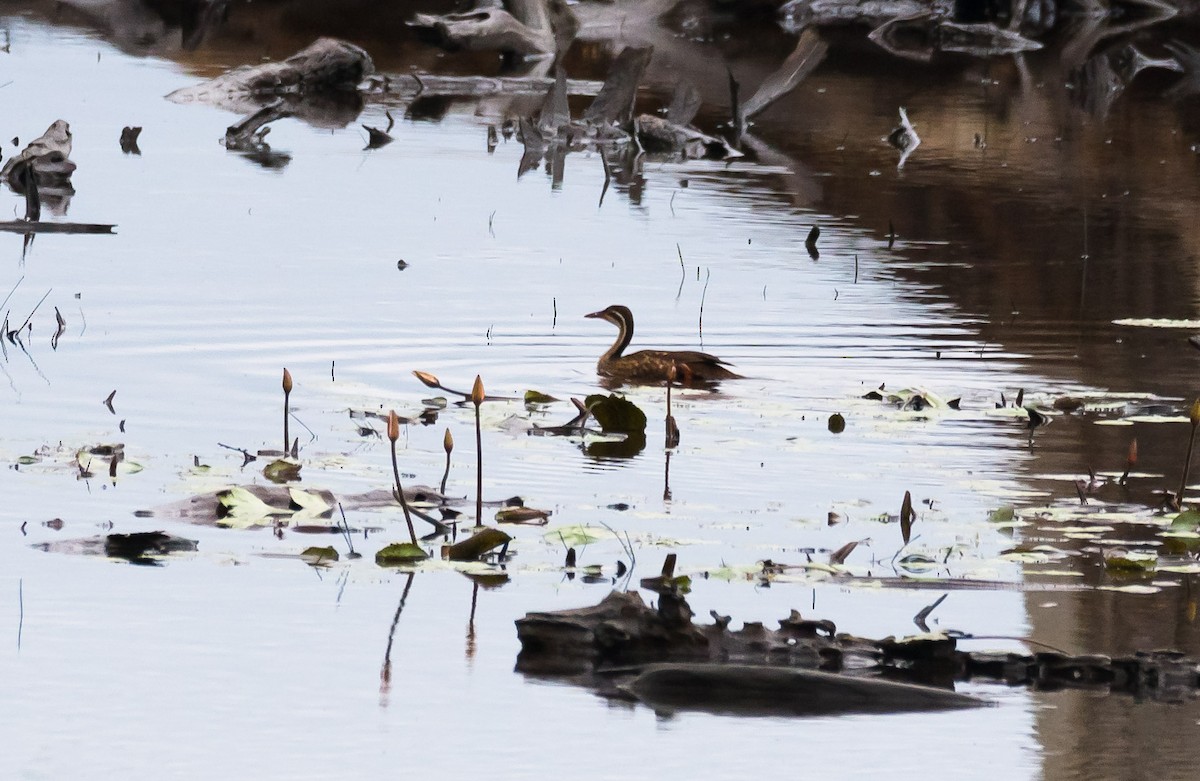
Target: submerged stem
1187	468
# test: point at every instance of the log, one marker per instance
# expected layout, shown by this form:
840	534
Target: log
326	65
608	646
31	226
526	28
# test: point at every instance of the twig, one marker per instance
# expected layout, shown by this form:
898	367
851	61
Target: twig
682	272
35	309
345	530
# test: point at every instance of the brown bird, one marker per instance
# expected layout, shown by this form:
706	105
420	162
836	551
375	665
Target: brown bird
650	367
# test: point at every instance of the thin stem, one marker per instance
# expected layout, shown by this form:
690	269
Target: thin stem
1187	468
412	533
478	469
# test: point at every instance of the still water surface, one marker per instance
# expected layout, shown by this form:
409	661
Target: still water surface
223	272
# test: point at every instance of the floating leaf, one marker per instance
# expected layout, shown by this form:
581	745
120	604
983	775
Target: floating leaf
281	471
238	504
309	503
522	515
1120	562
1005	514
662	584
1160	322
615	413
475	546
315	555
27	460
400	553
837	423
1188	520
536	397
579	535
1131	589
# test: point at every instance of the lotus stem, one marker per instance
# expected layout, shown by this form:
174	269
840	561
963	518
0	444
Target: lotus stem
393	431
1194	417
477	397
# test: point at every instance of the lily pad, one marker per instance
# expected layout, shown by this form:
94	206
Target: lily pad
478	544
282	471
616	413
317	555
578	535
400	553
533	398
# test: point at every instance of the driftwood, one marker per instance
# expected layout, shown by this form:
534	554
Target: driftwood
527	28
327	65
42	172
34	226
48	154
609	645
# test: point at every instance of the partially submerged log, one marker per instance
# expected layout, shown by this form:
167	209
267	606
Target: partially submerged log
42	172
327	65
610	645
36	226
48	154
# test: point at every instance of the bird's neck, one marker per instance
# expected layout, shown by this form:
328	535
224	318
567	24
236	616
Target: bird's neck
624	337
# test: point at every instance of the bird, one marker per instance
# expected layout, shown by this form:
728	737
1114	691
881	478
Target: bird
651	367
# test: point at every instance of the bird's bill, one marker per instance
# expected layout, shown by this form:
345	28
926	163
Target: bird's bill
599	314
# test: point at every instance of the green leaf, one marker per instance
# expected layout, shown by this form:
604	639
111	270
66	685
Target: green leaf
315	555
478	544
239	507
578	535
1188	520
537	397
615	413
282	471
400	553
1004	514
309	504
1130	563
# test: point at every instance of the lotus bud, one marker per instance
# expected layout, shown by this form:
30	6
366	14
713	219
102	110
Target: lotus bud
427	379
393	426
448	442
287	381
477	394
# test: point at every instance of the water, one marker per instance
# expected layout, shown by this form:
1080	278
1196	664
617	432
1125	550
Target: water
222	272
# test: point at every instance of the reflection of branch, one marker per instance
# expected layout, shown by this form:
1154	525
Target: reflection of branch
808	54
385	673
471	621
